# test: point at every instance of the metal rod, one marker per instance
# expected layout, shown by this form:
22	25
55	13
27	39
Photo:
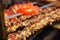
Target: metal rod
12	16
49	5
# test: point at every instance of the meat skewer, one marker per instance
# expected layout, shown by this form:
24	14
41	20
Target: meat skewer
16	8
27	31
29	21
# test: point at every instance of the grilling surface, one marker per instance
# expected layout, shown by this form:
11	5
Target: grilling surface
35	23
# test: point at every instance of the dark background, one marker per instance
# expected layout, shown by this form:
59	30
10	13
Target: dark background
47	33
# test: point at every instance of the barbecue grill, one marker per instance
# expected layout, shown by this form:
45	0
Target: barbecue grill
38	35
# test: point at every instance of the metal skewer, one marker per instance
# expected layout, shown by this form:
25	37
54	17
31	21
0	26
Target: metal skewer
48	5
33	3
12	16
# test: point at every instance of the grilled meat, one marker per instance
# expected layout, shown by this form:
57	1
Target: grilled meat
28	30
17	23
27	10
